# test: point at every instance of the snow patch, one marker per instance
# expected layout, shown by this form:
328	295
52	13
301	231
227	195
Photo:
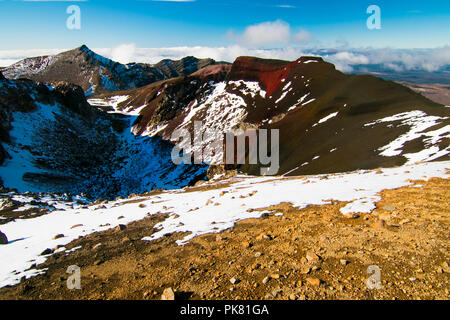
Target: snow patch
201	212
418	121
326	118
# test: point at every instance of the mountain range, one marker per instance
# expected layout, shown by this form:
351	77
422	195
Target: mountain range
328	121
97	74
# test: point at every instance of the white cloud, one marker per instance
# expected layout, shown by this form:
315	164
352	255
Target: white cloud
8	57
302	37
266	33
270	33
123	53
287	6
344	59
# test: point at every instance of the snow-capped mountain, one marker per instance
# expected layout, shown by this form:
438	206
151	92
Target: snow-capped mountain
328	121
97	74
52	140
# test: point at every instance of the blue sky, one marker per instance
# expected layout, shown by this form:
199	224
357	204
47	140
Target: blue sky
151	24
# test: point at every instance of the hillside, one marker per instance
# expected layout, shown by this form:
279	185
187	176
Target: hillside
328	121
52	140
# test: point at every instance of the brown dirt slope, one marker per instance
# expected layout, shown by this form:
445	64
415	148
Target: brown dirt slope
313	253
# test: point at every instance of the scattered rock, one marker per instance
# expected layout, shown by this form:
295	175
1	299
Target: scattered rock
97	246
275	276
3	238
235	281
256	266
126	239
305	270
98	262
389	208
120	227
76	226
247	244
404	221
344	262
379	224
313	282
312	257
276	292
265	280
46	252
168	294
58	236
264	236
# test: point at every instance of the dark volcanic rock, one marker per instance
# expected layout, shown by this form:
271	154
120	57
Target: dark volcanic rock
3	238
73	97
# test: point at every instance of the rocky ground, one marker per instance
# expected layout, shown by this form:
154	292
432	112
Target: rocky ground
314	253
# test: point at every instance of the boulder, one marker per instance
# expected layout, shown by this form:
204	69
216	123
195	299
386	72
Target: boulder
3	238
168	294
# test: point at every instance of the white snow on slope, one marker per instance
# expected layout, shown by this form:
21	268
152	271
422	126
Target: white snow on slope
114	102
326	118
13	168
225	112
418	121
250	88
300	102
197	212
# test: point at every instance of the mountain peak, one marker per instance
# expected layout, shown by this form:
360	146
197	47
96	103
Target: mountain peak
84	48
97	74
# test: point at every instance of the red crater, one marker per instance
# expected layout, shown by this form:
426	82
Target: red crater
270	73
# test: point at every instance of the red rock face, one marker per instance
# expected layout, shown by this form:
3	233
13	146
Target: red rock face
269	73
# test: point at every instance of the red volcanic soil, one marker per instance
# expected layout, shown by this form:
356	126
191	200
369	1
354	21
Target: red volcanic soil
270	73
